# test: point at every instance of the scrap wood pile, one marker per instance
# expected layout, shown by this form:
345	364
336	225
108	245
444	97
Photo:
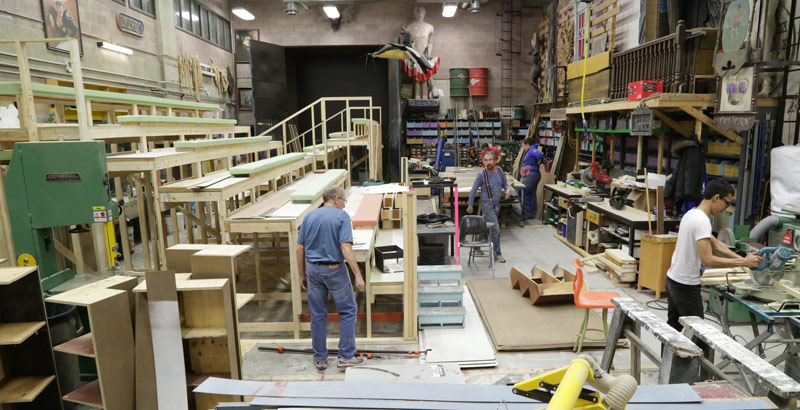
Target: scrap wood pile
619	266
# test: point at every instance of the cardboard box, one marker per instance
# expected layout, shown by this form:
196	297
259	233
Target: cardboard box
713	169
640	199
593	217
642	89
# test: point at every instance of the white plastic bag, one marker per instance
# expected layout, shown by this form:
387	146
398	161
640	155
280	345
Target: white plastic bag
9	117
785	178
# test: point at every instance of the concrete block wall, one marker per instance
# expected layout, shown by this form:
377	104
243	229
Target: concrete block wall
464	41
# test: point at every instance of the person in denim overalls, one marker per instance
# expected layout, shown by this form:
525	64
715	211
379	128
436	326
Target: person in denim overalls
325	241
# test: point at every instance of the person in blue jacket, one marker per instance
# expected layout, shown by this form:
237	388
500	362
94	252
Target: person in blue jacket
530	177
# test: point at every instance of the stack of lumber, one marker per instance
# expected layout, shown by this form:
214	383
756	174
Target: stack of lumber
724	276
391	214
619	265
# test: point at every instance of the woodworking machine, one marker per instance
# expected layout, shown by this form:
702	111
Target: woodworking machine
53	184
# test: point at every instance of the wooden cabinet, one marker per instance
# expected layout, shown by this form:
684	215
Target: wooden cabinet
27	367
110	342
655	260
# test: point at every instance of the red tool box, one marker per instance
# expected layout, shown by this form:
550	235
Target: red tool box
643	89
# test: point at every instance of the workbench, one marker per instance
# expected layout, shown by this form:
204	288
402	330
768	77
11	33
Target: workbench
564	194
781	328
465	178
631	217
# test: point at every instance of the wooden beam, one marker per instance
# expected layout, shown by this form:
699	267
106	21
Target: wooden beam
683	130
698	115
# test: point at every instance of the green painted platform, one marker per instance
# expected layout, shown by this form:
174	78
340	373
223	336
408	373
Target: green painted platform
265	164
362	121
312	190
124	119
341	135
55	91
219	142
312	148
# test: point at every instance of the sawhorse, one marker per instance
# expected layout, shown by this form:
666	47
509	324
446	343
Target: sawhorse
760	377
681	361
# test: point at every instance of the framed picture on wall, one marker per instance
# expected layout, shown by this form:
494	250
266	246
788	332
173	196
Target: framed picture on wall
245	99
62	20
243	38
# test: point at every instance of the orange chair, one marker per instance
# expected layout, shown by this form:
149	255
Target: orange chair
590	300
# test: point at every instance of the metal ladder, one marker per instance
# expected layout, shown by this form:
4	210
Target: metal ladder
508	25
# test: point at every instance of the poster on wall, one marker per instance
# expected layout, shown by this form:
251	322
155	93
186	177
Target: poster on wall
246	99
736	99
243	38
61	19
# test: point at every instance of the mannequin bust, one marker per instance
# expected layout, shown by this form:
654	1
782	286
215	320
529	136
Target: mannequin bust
422	41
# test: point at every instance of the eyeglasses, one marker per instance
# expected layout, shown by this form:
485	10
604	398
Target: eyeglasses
342	198
727	203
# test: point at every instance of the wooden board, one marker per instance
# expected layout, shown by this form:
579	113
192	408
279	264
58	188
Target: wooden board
511	320
87	394
23	389
11	275
16	333
112	332
597	85
369	211
594	63
81	346
170	376
264	206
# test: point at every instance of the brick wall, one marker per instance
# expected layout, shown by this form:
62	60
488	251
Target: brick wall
464	41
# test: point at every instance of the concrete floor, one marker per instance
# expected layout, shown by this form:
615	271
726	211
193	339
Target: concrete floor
522	247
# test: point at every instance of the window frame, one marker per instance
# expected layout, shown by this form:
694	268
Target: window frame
216	26
141	9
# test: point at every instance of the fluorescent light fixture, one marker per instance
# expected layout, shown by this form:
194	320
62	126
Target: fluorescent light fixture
449	10
243	14
331	11
114	47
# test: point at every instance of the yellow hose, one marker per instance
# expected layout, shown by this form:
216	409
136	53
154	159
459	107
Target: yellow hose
566	394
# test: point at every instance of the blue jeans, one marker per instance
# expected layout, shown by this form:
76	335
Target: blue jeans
322	280
490	210
529	194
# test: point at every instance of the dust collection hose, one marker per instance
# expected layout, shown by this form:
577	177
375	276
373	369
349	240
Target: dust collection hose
618	390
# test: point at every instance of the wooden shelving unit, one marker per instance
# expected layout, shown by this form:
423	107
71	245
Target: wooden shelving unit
210	341
27	366
110	343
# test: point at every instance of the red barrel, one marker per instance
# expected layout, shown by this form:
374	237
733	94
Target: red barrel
478	84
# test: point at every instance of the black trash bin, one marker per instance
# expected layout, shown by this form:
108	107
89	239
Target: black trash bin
65	324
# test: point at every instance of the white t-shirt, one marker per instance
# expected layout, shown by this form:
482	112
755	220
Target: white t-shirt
686	267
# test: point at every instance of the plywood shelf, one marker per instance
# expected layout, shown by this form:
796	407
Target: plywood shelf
81	346
87	394
23	389
201	332
16	333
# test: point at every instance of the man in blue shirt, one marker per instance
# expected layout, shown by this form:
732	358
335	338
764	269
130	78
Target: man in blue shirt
530	177
491	181
325	241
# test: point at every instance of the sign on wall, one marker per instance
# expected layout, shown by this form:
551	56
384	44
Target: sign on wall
130	25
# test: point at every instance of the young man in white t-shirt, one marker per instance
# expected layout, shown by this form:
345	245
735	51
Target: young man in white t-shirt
695	251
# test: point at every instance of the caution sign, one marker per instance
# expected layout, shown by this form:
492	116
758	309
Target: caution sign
100	216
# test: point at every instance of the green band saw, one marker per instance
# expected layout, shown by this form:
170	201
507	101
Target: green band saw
53	184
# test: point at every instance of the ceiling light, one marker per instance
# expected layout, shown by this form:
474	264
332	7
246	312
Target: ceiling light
331	11
114	47
475	6
291	8
449	10
243	14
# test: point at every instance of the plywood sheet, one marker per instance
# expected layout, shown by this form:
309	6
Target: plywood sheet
165	323
263	206
468	345
514	324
